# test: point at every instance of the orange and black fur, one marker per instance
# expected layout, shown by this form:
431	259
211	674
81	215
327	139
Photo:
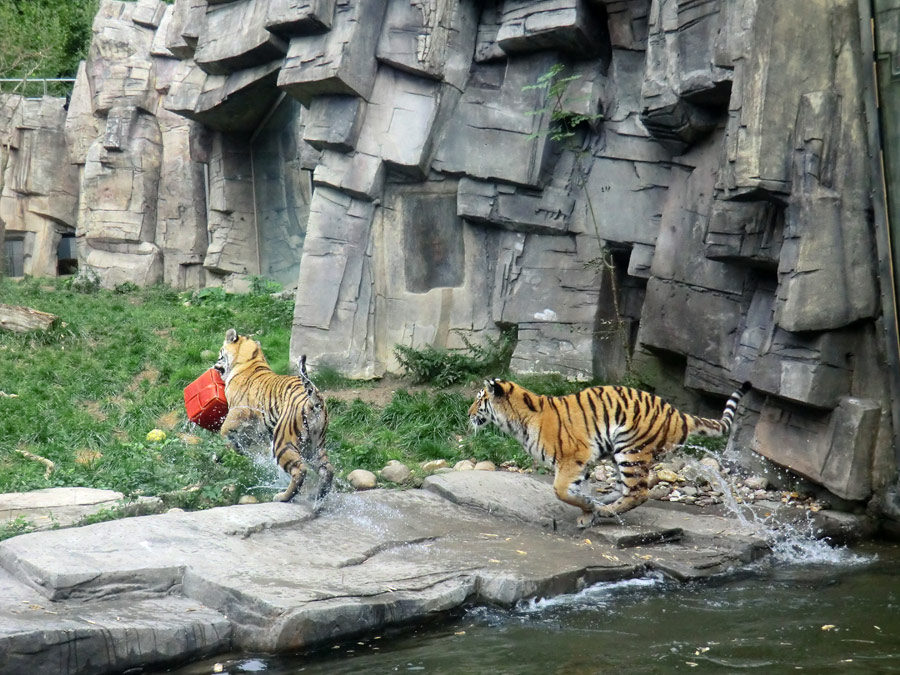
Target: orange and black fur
570	433
289	407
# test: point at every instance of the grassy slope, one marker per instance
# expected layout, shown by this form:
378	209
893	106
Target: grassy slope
114	368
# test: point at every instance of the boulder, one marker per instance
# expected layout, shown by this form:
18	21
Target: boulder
361	479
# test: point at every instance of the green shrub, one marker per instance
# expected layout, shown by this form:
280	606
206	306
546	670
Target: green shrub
445	367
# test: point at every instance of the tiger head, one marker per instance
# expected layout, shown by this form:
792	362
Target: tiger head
492	397
237	351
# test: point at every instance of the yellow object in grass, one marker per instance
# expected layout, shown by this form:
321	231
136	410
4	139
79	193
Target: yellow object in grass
156	436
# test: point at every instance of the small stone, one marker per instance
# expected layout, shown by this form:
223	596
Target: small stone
396	472
600	474
690	491
175	509
710	463
668	476
486	465
674	465
248	499
756	482
464	465
433	465
660	491
361	479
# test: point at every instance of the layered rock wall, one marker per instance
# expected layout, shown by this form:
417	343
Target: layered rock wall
709	220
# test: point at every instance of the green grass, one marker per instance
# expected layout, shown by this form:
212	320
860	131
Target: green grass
114	367
413	428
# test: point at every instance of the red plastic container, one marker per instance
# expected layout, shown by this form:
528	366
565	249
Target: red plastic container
205	402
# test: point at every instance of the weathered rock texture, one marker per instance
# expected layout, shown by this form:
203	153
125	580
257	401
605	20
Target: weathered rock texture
272	577
715	224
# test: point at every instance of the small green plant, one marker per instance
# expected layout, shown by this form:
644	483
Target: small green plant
260	285
564	121
86	281
209	295
15	527
445	367
126	287
701	446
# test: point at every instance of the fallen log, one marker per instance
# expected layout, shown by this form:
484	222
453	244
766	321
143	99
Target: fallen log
24	319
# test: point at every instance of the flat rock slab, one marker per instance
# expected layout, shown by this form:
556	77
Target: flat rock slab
56	506
276	577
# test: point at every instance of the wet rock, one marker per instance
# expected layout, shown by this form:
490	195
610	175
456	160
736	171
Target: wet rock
361	479
396	472
660	491
710	463
669	476
756	482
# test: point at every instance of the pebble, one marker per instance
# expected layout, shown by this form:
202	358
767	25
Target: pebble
485	465
396	472
433	465
659	491
756	482
464	465
668	476
689	491
361	479
710	463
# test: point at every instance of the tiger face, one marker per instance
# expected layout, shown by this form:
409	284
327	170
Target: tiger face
481	412
236	350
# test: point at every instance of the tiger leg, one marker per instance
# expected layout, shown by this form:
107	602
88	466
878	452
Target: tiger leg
632	486
238	427
567	485
287	455
326	476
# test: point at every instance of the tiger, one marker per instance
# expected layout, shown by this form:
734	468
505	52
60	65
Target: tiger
289	407
570	433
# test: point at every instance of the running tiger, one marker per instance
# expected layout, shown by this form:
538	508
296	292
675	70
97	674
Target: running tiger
289	407
570	433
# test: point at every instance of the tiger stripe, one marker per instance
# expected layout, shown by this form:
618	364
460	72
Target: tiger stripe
571	433
289	407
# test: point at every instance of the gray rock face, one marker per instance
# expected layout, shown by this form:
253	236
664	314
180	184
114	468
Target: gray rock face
707	216
271	577
38	200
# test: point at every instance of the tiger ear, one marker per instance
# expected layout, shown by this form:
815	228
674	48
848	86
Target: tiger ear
231	335
495	387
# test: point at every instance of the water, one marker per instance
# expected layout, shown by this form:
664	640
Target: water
841	616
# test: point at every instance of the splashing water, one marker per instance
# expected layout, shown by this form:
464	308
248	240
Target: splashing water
792	541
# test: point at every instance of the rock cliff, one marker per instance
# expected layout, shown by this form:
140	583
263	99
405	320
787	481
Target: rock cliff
709	219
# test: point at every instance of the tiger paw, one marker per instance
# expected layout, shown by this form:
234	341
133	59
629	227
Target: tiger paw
604	512
586	519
